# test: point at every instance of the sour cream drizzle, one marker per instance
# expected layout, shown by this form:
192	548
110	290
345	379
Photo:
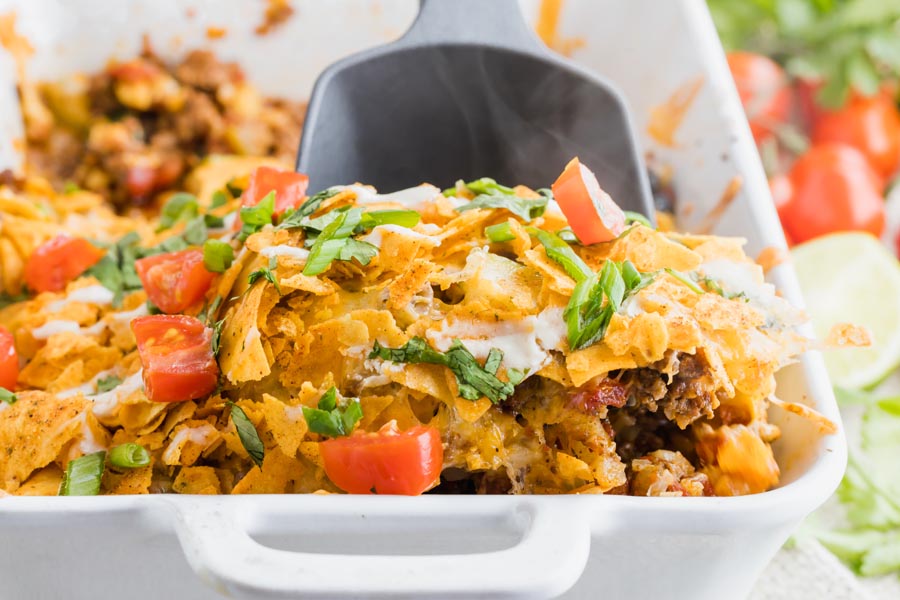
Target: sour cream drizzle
92	294
526	343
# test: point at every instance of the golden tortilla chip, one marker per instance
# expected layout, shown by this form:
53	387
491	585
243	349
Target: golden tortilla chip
34	432
197	480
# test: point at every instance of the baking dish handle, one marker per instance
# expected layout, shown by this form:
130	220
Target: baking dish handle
547	560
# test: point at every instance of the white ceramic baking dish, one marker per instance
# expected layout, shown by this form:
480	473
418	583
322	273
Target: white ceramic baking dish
512	547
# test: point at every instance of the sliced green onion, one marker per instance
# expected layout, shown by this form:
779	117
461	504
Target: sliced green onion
83	475
636	217
560	251
247	433
501	232
217	256
256	217
7	396
685	279
403	218
129	456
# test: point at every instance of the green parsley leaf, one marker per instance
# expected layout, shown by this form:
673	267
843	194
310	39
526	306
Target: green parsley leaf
266	273
310	205
363	252
247	433
83	475
330	244
524	208
213	222
217	255
217	336
473	380
194	233
329	418
219	198
209	311
256	217
108	383
179	207
7	396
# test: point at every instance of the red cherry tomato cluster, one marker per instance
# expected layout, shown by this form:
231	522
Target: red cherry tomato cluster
838	183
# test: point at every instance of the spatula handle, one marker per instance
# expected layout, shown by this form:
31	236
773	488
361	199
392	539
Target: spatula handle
472	22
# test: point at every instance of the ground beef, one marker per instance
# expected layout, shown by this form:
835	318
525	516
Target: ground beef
685	393
145	124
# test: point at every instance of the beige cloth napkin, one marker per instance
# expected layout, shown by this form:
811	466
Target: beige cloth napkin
808	571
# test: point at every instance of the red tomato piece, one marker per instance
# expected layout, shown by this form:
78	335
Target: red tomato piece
764	91
835	189
174	281
55	263
871	125
591	213
9	360
177	357
386	462
289	188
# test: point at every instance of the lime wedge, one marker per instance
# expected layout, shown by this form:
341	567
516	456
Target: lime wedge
852	278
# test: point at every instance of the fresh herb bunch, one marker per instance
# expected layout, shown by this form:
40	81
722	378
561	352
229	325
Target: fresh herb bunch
844	43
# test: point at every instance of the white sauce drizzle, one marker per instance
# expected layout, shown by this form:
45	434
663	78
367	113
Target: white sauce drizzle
92	294
375	237
526	343
53	327
197	435
86	388
89	443
285	250
105	403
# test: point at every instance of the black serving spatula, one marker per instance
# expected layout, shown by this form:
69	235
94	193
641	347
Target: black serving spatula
469	91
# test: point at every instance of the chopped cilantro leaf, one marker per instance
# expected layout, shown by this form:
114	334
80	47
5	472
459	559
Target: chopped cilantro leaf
330	418
108	383
266	273
247	433
473	380
179	207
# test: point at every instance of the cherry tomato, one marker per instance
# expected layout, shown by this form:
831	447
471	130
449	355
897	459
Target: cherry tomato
764	91
55	263
591	213
174	281
289	188
871	125
9	360
386	462
177	357
835	189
